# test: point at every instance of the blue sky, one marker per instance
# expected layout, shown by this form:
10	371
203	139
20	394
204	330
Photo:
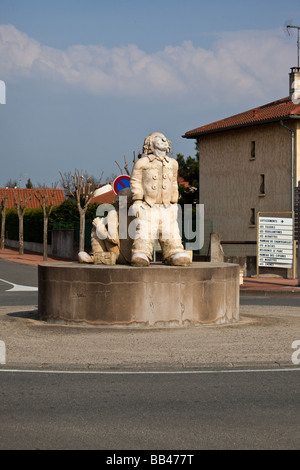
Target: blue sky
86	81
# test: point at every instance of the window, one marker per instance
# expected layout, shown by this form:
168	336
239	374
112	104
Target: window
252	155
262	185
252	217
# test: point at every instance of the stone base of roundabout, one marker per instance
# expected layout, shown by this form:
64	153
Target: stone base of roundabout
155	296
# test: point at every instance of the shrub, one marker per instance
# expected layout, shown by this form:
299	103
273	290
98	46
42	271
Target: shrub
12	224
65	215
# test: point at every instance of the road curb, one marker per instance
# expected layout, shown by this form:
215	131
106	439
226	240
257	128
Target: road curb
290	291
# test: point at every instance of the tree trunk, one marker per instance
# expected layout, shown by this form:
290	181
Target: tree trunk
82	230
45	239
21	240
3	225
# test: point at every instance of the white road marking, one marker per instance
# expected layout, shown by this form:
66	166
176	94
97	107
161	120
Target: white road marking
104	372
19	288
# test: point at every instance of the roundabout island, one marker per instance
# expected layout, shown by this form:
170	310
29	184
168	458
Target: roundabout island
137	297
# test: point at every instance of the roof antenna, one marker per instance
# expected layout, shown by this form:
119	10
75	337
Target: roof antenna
288	26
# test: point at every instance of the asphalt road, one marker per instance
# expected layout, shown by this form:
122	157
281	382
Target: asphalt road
18	284
269	301
18	273
175	411
25	275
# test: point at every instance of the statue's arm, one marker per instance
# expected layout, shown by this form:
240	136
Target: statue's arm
136	184
175	194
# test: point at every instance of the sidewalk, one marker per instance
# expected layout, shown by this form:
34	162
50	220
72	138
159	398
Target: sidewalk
263	285
30	258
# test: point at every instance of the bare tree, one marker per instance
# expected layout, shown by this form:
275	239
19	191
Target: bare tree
67	180
11	183
3	214
21	207
83	190
47	206
127	171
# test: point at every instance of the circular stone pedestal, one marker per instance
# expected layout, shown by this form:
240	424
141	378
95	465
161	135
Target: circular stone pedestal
157	295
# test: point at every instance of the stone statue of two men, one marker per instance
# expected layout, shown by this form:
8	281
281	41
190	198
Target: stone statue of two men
152	201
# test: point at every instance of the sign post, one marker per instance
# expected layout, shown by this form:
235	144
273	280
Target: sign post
275	241
121	182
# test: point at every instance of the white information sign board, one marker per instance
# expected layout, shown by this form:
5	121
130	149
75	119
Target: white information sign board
275	242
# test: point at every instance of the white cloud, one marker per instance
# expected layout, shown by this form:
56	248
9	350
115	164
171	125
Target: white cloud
240	63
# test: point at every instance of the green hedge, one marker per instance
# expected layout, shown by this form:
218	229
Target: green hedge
33	225
11	224
66	214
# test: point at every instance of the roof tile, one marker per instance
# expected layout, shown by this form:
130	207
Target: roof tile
276	110
23	194
107	198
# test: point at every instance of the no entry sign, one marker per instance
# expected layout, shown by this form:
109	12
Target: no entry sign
121	182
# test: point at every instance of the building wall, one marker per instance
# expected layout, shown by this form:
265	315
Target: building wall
232	179
297	150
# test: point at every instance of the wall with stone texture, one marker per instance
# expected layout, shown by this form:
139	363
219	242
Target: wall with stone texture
155	296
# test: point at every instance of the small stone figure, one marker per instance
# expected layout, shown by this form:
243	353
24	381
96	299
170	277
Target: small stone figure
154	190
107	246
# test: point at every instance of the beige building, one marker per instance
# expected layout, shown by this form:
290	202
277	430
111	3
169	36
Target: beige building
250	163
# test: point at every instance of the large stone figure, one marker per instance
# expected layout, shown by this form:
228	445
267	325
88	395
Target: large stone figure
154	190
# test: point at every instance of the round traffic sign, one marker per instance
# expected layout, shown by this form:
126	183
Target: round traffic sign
121	182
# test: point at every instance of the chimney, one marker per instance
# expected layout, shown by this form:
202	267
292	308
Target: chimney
295	84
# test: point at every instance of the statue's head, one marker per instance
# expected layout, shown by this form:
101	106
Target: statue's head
156	141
